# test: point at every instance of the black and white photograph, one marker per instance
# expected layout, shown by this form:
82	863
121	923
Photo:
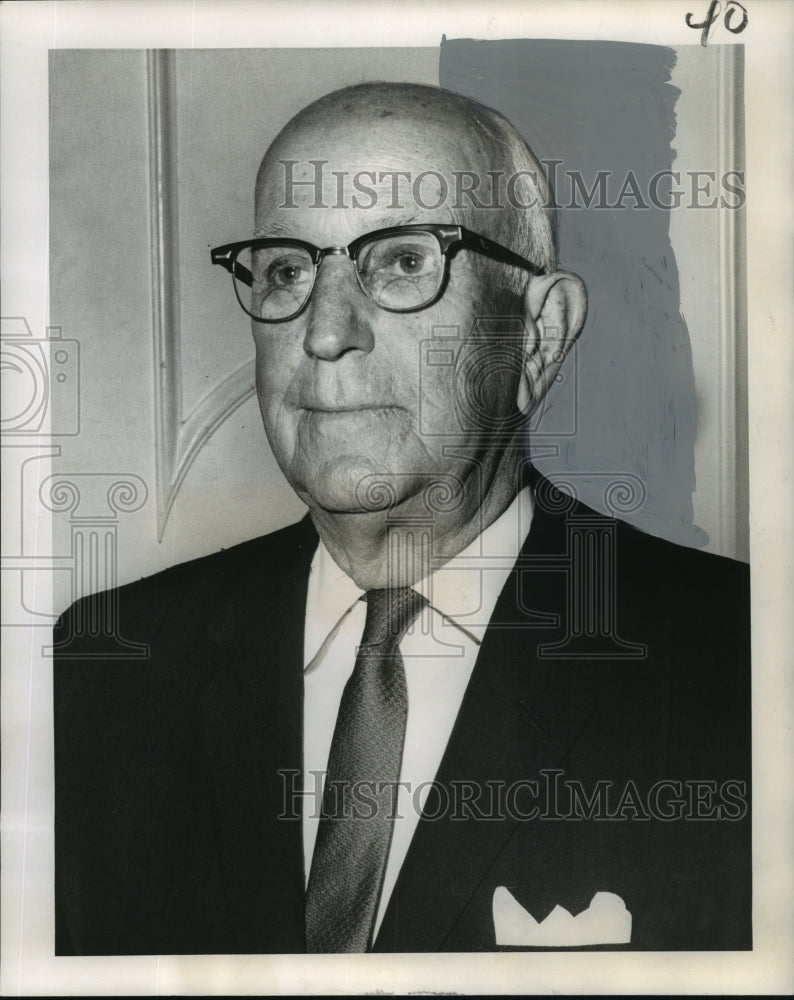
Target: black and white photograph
397	497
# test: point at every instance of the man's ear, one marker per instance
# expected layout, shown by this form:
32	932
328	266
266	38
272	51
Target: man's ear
555	307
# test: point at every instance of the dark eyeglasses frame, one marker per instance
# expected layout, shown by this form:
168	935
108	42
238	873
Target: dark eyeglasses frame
450	239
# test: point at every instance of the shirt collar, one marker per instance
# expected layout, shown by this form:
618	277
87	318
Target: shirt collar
464	590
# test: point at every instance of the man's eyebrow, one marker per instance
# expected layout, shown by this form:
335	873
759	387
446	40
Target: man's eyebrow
271	229
280	229
398	220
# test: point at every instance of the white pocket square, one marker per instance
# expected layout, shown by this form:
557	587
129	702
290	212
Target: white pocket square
605	921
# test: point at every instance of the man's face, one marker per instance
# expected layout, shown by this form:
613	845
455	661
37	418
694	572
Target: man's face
345	396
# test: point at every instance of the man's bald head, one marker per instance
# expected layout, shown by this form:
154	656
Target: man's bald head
415	129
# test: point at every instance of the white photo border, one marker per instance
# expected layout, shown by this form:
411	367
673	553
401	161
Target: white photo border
29	30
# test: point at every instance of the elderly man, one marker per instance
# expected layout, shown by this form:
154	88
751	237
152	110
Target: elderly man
452	708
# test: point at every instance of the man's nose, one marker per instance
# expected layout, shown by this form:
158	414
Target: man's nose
337	315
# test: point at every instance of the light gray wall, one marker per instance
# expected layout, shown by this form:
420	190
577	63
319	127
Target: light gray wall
230	103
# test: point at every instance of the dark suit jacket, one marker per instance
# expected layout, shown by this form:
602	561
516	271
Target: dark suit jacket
168	792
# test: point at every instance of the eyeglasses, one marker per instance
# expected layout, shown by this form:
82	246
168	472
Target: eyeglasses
402	269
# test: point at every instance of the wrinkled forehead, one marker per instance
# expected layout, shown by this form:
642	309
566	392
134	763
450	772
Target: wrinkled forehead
356	172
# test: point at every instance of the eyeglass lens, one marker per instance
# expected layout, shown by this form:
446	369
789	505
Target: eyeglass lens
399	272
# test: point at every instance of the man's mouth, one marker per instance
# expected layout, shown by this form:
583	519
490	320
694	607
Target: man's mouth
347	408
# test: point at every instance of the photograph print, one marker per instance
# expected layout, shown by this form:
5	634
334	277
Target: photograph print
403	495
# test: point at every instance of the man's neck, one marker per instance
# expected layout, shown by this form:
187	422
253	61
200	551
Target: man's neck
398	546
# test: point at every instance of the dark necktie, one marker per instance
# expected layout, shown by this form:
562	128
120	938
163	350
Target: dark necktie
355	828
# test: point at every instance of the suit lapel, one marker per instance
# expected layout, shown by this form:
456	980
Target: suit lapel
252	715
520	714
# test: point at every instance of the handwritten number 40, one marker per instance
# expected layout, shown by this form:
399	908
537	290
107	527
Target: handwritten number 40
731	17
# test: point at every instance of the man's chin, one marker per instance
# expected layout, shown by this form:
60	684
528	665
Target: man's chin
353	485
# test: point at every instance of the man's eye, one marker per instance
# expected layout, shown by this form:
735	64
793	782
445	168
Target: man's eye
410	263
286	274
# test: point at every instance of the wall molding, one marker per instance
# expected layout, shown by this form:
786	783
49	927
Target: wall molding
733	525
178	438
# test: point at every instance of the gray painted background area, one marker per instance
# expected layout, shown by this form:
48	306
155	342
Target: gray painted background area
630	387
629	407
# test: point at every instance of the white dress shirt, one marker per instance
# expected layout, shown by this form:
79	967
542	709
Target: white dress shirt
439	652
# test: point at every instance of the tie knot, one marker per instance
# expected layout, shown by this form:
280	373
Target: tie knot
390	614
